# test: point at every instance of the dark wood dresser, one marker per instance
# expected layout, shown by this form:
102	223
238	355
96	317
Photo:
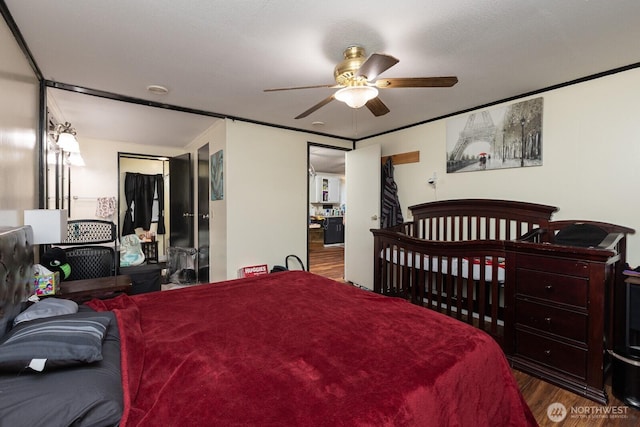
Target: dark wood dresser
561	322
84	290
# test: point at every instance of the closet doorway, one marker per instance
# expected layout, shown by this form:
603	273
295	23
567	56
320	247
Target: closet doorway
327	206
154	167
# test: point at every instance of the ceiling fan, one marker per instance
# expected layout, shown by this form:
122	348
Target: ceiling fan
356	79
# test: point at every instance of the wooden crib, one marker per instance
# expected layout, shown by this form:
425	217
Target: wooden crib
495	265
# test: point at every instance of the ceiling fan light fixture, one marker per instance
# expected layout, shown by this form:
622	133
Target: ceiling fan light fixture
356	96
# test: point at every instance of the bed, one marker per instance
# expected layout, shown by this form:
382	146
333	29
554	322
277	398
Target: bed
542	289
283	349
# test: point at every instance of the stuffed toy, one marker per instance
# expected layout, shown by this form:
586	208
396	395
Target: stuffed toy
55	259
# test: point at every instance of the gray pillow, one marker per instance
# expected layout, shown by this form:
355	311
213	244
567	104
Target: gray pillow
54	342
83	395
47	307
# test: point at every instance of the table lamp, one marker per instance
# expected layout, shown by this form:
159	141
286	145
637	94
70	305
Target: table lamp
49	225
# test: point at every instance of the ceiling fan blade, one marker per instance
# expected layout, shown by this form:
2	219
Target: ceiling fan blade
302	87
375	65
377	107
315	107
392	83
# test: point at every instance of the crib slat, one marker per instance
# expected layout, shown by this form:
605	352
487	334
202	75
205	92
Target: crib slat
482	289
495	294
459	291
418	287
487	228
447	285
438	282
471	293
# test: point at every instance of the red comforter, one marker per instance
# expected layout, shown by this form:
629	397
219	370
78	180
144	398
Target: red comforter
295	349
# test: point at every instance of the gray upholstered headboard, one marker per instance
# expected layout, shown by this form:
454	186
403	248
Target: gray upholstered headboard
16	272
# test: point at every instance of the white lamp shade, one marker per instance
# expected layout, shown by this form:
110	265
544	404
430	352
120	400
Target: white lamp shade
68	143
356	96
49	225
75	159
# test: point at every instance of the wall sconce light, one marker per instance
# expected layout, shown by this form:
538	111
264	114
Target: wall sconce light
63	152
75	159
49	225
65	137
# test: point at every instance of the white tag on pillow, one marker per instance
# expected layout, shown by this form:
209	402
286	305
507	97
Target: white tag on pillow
37	364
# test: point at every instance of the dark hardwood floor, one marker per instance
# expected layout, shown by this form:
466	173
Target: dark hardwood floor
580	411
329	262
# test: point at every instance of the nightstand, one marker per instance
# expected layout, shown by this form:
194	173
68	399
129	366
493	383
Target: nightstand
102	287
144	278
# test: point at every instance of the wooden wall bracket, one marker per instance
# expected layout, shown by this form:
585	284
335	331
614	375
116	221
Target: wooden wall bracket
402	158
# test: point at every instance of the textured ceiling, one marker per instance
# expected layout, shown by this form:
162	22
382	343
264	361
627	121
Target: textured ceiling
218	56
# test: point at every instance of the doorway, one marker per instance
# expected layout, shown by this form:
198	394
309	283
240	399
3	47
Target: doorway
147	165
326	210
177	206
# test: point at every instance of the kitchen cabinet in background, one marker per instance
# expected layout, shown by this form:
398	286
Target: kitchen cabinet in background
325	189
333	230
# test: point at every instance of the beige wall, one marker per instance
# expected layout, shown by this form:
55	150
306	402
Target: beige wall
267	187
591	150
18	126
263	217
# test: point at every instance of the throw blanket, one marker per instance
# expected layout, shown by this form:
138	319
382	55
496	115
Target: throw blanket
295	349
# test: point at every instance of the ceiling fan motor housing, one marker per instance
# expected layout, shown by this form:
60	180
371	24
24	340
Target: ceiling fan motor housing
345	71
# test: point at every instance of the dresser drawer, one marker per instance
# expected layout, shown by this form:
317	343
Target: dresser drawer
554	265
554	287
554	354
565	323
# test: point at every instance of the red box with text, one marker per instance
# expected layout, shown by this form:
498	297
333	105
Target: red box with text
254	270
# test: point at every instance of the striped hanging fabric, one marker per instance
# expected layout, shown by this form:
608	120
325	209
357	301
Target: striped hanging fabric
391	211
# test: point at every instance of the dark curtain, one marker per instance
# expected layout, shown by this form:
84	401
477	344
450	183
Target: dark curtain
145	190
129	194
140	190
160	188
391	212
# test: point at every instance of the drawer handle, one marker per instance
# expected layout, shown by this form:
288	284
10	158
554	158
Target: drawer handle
549	287
548	320
547	352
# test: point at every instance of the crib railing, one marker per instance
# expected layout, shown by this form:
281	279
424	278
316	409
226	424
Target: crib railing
464	280
477	219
